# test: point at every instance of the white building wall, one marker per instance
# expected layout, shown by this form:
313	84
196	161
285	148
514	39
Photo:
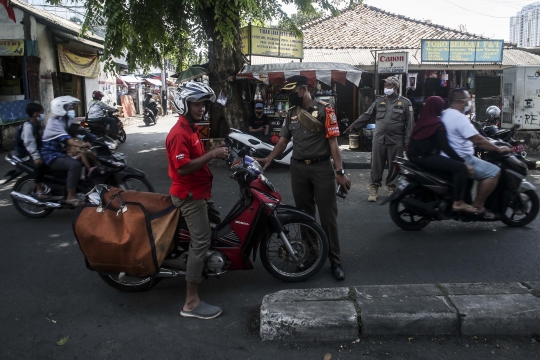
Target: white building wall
47	66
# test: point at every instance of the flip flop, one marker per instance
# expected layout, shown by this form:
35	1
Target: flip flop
203	311
467	209
485	214
75	202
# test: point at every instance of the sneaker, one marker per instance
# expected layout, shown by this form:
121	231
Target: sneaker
374	189
338	272
391	189
203	311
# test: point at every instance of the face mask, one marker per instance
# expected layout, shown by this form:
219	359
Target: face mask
41	117
388	91
295	100
71	114
467	107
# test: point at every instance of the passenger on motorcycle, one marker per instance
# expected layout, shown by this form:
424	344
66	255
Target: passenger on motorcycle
191	187
462	136
428	139
55	140
30	145
95	113
151	104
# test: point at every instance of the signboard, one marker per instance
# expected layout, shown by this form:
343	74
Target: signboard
393	63
271	42
475	51
86	65
11	47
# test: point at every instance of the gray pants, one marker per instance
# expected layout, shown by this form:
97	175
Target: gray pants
72	166
316	185
197	214
382	153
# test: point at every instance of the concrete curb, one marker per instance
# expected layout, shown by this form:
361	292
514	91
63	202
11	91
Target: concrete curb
344	314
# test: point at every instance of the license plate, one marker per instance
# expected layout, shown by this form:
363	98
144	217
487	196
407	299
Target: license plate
402	184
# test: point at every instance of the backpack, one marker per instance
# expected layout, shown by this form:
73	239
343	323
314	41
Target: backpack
19	143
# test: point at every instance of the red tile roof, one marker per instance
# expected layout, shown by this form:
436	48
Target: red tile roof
367	27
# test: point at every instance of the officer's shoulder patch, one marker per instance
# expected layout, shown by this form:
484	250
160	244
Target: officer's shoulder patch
410	108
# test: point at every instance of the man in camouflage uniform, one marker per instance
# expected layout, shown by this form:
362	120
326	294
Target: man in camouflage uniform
394	122
313	179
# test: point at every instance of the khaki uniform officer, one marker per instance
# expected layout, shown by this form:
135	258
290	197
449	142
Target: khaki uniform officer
394	122
313	127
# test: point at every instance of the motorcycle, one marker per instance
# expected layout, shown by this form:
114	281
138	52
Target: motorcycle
292	245
149	117
112	170
239	140
489	129
423	196
102	130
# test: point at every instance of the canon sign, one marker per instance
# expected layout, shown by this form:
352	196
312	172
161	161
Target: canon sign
393	63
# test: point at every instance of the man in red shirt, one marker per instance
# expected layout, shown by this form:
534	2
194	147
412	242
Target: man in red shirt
191	188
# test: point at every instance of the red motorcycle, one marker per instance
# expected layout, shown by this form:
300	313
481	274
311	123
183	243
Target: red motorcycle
292	245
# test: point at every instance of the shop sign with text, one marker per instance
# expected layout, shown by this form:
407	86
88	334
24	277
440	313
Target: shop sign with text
393	63
475	51
11	47
271	42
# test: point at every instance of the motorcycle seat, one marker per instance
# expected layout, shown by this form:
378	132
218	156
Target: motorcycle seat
442	176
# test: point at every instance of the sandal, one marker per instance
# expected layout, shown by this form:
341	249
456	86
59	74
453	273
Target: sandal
485	214
203	311
40	195
75	202
467	209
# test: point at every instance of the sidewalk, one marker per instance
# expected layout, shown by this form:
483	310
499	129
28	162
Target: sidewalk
345	314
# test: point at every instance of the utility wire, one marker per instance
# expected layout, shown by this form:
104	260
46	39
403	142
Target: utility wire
461	7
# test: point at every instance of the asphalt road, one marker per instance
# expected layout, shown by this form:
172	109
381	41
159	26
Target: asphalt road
47	293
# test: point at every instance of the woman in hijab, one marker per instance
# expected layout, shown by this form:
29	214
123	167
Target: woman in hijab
428	139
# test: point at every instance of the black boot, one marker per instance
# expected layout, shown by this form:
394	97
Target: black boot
338	272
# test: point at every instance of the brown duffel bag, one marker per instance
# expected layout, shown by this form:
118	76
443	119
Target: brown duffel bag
128	231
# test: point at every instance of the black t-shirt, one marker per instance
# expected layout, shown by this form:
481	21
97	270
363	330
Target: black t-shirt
256	122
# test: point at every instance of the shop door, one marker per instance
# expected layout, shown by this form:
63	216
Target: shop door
73	85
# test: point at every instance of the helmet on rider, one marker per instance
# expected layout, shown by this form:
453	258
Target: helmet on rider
60	104
97	95
193	92
148	95
493	111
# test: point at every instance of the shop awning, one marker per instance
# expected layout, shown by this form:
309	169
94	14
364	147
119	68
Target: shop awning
323	72
130	79
154	82
119	81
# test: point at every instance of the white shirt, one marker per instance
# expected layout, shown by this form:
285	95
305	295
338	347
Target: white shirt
458	130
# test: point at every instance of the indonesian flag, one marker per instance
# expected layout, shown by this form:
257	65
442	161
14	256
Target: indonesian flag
9	9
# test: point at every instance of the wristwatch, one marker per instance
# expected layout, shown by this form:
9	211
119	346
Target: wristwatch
340	172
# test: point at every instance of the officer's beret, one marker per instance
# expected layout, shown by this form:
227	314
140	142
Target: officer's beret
294	81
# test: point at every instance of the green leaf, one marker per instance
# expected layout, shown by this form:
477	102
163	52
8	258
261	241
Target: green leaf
63	341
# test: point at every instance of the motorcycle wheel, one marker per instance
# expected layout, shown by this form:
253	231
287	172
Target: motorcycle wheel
521	209
155	120
309	241
122	136
399	212
146	121
136	183
130	284
25	185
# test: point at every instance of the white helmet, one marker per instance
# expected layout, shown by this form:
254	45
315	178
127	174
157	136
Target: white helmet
58	105
493	111
192	91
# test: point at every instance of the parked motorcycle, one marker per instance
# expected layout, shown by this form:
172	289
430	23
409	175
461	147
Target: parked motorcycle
293	247
102	130
489	129
112	170
239	140
423	196
149	117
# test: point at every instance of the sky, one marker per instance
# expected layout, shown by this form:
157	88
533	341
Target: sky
489	18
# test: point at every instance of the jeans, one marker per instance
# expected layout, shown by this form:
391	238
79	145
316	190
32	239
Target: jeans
72	166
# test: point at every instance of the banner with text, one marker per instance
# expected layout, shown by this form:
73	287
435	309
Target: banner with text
271	42
86	65
475	51
393	63
11	47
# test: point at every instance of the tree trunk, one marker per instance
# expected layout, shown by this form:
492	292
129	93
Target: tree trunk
224	64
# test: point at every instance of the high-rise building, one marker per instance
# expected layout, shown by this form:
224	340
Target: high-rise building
525	26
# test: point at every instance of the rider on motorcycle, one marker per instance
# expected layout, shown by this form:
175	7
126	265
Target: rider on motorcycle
95	113
493	113
151	104
191	187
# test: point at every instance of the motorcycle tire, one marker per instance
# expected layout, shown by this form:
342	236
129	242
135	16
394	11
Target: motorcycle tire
133	284
122	136
306	266
529	216
146	121
155	120
396	212
25	185
144	184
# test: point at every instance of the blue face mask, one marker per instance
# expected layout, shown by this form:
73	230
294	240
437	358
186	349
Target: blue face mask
71	114
41	117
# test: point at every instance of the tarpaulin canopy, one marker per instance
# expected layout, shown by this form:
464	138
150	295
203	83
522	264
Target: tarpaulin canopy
154	82
76	63
324	72
130	79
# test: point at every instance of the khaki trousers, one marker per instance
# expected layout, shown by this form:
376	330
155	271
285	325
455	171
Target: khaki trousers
382	153
197	214
315	185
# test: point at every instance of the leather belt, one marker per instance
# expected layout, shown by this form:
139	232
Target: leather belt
312	161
